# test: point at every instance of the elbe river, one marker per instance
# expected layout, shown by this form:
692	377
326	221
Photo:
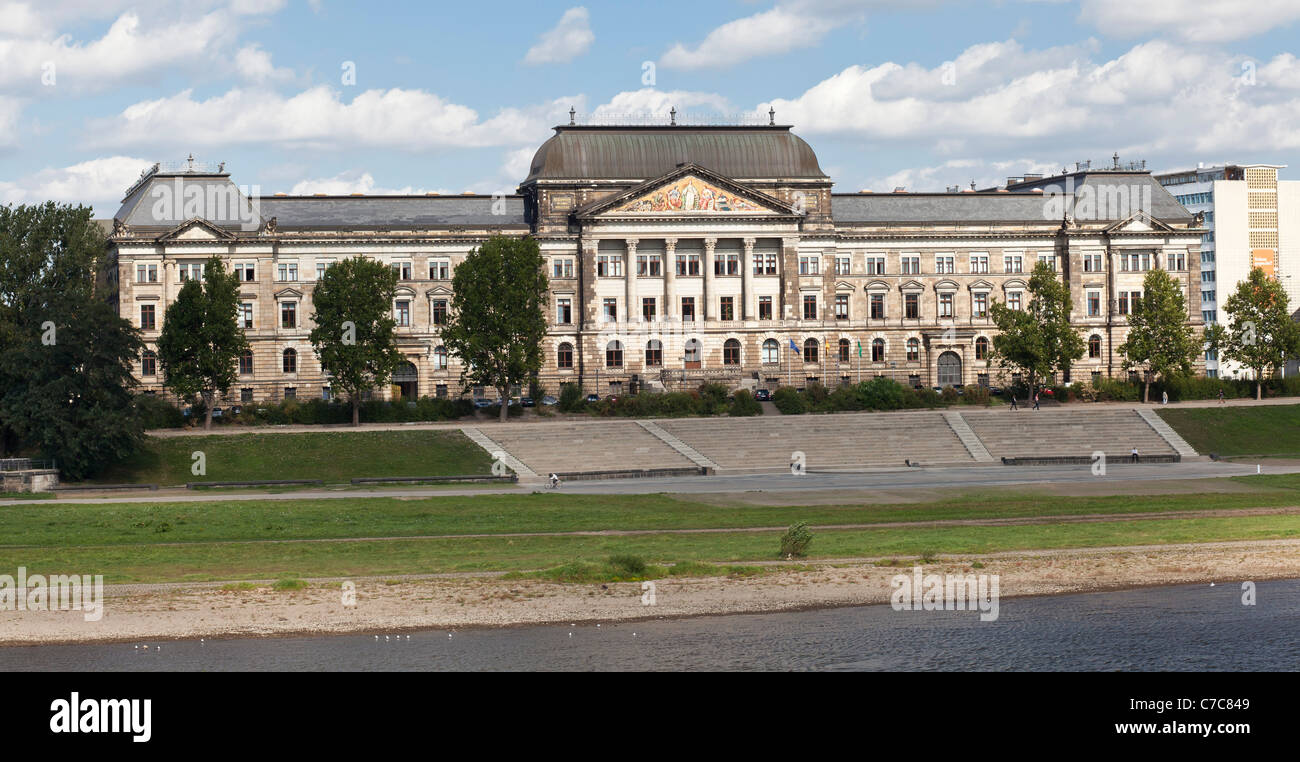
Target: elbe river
1190	627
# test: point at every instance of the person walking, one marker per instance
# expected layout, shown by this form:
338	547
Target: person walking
1013	401
1164	398
1035	400
1134	454
1221	396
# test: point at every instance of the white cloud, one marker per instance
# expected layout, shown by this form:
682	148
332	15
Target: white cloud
97	182
353	181
1190	20
254	65
567	40
319	118
10	108
651	102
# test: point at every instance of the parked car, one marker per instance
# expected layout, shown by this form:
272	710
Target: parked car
481	402
996	391
216	412
611	398
527	402
763	395
592	398
549	400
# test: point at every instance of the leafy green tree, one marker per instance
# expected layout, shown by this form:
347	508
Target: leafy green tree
66	356
1261	334
201	341
1160	339
497	321
354	333
1038	340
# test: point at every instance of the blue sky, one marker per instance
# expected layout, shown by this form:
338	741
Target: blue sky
456	96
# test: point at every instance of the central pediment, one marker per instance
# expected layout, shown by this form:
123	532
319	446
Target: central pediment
688	190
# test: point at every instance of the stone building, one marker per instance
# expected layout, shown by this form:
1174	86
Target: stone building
676	255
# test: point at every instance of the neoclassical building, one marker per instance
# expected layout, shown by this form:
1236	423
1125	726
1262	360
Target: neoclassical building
675	255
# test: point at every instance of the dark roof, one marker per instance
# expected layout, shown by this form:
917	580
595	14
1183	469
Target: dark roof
642	153
390	211
1102	184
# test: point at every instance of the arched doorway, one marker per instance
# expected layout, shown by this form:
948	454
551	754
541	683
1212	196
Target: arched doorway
407	379
949	369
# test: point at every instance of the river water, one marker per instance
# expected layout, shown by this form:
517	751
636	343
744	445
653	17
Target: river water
1192	627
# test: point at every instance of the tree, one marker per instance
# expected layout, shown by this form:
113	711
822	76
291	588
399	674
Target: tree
66	356
1261	334
497	321
1159	336
1038	340
201	341
354	334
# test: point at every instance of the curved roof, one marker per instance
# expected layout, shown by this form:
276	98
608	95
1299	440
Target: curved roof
642	153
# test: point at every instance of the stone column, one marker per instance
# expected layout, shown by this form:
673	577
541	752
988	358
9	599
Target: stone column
747	280
629	279
670	278
707	312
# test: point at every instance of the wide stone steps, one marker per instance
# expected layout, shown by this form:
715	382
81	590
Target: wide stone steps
567	447
1027	433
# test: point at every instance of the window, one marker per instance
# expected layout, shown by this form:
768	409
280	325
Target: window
841	306
561	267
877	303
649	264
764	308
402	313
290	361
911	265
727	308
648	309
402	270
979	263
609	310
726	264
614	354
810	350
843	266
146	317
1177	260
287	271
810	265
190	271
981	348
875	265
246	315
1013	264
246	363
844	350
688	264
877	350
944	264
688	308
1094	304
325	393
945	305
564	356
148	363
288	314
654	354
440	358
440	269
290	392
149	274
245	395
771	352
1094	346
809	306
564	310
1049	259
609	266
769	264
980	304
913	350
1092	263
1014	299
321	266
439	312
912	306
731	352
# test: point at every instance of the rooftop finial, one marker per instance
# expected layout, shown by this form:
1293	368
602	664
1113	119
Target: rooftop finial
672	116
1115	158
771	116
572	114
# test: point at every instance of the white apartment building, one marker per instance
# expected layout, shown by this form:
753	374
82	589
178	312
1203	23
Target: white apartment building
1253	220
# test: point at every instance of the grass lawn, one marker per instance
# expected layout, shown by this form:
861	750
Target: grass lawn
1267	430
155	542
332	456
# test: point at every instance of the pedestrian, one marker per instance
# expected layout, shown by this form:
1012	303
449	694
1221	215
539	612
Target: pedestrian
1220	396
1013	401
1164	398
1035	400
1134	454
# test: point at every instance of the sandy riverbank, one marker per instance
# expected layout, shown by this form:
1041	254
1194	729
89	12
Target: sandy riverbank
151	613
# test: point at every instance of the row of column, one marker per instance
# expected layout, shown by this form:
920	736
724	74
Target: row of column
633	312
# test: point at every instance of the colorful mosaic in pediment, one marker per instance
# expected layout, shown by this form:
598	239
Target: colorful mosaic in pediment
690	194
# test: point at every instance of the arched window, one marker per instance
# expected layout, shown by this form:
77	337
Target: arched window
614	354
1094	346
877	350
731	352
981	348
148	363
439	358
290	361
692	354
654	354
771	351
844	350
913	350
564	355
810	350
246	363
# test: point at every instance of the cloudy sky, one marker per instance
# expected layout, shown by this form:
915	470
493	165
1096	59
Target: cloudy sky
307	96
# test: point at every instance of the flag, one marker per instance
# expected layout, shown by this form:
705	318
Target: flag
859	348
795	347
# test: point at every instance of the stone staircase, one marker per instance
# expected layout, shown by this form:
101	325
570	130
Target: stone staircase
598	446
1071	431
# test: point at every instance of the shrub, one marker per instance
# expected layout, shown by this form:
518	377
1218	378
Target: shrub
949	395
881	393
744	404
629	565
571	398
157	413
789	401
925	397
795	541
976	395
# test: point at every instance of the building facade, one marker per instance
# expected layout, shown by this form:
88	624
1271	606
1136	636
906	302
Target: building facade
676	255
